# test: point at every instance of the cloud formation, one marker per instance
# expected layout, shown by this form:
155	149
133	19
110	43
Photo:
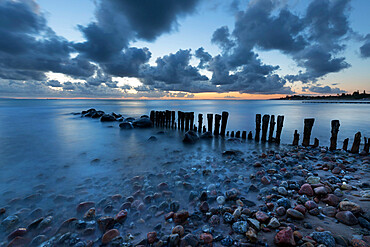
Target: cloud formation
315	40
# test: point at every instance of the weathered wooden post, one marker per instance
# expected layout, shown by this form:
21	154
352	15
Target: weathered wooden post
187	121
168	118
345	144
163	118
173	119
191	115
232	134
244	134
250	135
316	143
182	120
195	128
200	122
308	124
265	125
367	145
258	127
279	128
227	133
272	127
225	116
334	134
237	134
296	138
152	117
179	119
210	122
217	124
356	143
156	118
204	129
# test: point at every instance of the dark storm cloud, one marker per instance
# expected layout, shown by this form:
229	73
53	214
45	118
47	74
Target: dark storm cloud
203	56
325	90
365	49
53	83
151	18
173	72
29	48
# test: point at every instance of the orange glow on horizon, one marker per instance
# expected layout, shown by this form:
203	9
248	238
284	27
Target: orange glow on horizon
197	96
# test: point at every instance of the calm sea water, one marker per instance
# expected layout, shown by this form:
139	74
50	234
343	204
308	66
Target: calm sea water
42	145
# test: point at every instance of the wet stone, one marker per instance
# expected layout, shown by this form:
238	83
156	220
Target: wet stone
285	237
240	227
109	236
329	211
10	221
295	214
324	238
347	217
284	202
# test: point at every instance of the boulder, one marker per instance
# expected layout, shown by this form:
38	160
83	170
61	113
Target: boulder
190	137
126	125
107	118
206	135
142	123
306	189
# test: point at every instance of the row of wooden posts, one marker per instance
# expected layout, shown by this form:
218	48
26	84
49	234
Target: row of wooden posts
308	125
185	122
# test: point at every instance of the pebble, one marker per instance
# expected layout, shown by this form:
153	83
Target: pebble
324	238
347	217
109	236
240	227
285	237
295	214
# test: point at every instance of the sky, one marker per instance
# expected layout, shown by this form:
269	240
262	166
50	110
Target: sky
183	49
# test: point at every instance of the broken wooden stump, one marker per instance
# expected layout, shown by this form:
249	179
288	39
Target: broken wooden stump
345	144
204	129
182	121
237	134
334	134
244	135
228	133
200	122
279	128
225	116
210	122
356	143
258	127
272	127
232	134
265	125
250	135
308	124
295	138
316	143
217	124
366	145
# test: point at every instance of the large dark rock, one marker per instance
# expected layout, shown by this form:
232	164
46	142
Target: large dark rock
88	113
142	123
190	137
206	135
107	118
129	119
126	125
97	114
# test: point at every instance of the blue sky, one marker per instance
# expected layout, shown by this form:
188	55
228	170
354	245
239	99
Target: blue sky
193	26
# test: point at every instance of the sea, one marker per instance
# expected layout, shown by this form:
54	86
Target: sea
47	150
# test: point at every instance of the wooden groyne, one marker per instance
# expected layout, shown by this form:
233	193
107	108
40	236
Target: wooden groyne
265	128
